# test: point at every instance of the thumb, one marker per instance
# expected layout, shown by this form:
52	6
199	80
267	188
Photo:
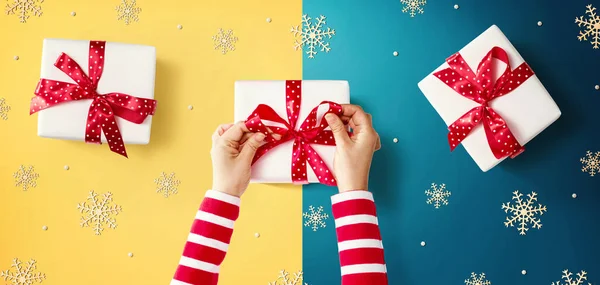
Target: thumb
251	145
337	127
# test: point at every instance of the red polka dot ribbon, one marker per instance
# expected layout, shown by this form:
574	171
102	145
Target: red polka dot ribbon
311	131
480	88
104	107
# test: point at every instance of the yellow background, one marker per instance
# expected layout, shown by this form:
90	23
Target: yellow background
153	228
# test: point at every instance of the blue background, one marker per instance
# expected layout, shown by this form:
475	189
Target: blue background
468	235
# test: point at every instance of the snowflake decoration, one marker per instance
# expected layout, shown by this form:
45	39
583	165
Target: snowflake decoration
4	108
438	195
225	41
23	276
591	26
315	218
413	6
524	212
477	279
568	280
166	184
312	35
286	279
98	212
24	8
128	12
26	177
591	163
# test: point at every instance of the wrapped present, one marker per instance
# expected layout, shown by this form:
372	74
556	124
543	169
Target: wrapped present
294	109
491	100
96	92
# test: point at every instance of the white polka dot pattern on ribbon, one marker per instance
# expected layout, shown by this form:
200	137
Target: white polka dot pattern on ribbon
303	155
481	89
103	108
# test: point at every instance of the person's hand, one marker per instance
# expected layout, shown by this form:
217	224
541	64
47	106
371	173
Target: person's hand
232	152
353	155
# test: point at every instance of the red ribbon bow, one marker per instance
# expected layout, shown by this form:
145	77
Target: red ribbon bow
479	88
310	132
104	107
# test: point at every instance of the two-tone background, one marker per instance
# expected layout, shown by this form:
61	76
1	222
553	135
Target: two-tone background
467	235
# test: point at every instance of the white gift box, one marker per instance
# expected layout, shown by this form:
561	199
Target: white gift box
128	69
275	165
527	110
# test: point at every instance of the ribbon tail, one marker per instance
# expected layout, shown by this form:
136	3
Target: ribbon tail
462	127
319	167
299	173
501	140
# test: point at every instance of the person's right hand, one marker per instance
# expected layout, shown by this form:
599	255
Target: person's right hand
353	156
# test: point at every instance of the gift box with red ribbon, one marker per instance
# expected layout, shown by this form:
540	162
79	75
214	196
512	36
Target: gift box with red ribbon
490	99
96	91
294	110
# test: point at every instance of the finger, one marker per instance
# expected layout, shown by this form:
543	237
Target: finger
235	132
337	127
250	147
245	138
220	130
357	114
378	143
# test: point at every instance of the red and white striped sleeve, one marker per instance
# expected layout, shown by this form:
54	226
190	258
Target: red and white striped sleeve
208	240
359	240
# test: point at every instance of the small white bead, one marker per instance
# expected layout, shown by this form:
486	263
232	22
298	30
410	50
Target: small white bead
66	167
540	23
16	57
395	140
130	254
190	107
395	53
256	235
422	243
179	27
269	20
524	272
73	13
456	6
574	195
45	228
597	87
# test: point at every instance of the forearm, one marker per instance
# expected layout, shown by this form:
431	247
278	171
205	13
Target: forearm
208	240
359	239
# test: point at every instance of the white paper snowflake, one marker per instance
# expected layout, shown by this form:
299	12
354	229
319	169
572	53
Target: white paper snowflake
285	278
591	163
438	195
22	276
591	26
413	6
524	212
568	279
26	177
315	218
128	12
477	279
225	41
166	184
4	108
98	212
312	35
24	8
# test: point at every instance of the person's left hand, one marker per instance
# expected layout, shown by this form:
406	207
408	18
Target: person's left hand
232	152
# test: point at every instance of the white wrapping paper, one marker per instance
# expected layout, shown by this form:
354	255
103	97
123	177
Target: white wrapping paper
528	109
275	166
128	69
